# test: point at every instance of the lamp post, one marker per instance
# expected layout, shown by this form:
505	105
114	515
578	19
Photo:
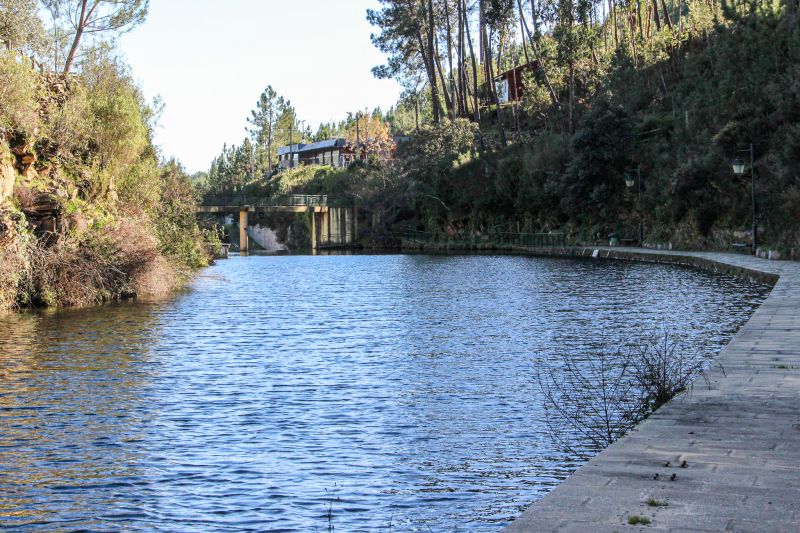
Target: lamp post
630	182
739	169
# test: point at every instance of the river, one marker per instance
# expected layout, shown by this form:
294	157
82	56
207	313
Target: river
300	393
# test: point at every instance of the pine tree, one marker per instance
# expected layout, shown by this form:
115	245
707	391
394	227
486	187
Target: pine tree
263	120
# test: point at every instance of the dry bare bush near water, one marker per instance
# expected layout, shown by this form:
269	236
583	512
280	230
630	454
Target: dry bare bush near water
663	368
118	261
596	402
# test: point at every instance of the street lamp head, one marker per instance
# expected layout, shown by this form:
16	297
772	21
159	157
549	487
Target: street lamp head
629	181
738	166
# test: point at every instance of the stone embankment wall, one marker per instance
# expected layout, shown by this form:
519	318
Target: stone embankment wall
721	457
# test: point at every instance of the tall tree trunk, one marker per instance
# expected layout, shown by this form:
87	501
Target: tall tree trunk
667	20
476	102
427	58
462	100
612	5
488	67
431	53
437	59
481	50
451	75
500	126
537	55
571	52
639	18
656	17
485	53
448	102
81	26
632	25
523	33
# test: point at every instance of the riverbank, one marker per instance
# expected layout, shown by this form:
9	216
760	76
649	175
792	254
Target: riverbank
88	211
739	437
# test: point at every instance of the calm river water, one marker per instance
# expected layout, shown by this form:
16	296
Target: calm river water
292	393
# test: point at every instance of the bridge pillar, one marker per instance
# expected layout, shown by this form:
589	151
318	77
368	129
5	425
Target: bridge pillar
314	240
348	226
243	215
325	234
323	228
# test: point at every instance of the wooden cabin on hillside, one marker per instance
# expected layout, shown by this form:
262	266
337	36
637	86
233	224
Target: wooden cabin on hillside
510	85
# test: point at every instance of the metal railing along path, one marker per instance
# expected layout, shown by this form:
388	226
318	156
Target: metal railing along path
534	240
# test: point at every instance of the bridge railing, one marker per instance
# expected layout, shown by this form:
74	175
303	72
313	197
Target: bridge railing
291	200
296	200
533	240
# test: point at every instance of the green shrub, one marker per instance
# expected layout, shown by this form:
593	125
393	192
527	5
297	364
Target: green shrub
174	221
117	119
19	92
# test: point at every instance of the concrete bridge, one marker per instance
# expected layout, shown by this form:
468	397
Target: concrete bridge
330	226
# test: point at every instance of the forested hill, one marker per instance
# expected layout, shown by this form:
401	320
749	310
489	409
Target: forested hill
672	89
88	212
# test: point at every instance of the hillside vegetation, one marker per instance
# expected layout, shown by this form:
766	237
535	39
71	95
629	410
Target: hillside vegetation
88	212
676	103
669	90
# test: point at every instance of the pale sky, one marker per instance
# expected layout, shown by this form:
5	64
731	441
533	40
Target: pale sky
210	60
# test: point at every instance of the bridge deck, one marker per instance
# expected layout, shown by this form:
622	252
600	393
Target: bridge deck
232	209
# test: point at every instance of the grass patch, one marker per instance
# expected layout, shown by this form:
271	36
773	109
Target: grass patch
652	502
638	520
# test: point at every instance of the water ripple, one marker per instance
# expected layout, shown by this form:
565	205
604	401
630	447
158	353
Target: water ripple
395	392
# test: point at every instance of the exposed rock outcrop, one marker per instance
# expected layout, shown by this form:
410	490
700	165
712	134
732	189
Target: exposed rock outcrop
8	174
8	177
42	210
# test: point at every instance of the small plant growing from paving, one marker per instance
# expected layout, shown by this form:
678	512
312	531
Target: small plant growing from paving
638	520
652	502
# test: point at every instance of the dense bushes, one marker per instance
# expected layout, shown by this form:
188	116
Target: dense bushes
94	215
19	106
119	260
679	114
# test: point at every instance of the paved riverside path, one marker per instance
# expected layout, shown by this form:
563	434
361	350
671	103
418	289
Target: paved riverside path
740	438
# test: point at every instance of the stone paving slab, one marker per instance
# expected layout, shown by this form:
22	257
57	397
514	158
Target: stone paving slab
740	437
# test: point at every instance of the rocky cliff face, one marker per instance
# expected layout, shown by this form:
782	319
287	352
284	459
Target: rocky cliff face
22	205
8	173
8	178
42	208
11	260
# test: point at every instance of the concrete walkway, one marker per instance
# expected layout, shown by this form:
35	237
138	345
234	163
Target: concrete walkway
740	438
